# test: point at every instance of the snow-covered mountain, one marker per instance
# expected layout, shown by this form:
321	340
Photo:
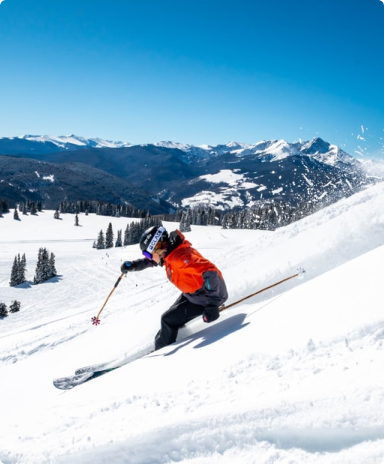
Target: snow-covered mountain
222	176
37	143
269	150
293	374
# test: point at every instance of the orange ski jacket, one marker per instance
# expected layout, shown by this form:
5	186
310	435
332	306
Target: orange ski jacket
185	267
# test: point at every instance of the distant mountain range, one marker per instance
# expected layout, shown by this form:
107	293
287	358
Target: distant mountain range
166	175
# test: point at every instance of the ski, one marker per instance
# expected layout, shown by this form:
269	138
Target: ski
67	383
87	373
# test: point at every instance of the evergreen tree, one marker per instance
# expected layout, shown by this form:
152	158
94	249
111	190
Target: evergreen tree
100	243
185	223
3	310
109	236
119	242
33	207
52	265
45	267
18	271
4	208
23	269
14	274
127	236
15	306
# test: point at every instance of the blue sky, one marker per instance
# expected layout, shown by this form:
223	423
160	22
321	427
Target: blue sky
197	72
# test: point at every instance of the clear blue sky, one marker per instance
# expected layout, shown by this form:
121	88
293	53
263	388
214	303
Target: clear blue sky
197	72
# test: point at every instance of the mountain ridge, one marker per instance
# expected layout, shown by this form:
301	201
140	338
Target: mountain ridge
182	175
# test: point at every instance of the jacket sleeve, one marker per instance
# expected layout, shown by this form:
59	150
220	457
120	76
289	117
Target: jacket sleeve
215	289
141	264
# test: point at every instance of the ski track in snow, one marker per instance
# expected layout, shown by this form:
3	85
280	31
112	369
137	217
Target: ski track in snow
292	375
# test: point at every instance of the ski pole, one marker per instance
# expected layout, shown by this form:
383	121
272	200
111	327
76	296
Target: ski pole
96	320
300	272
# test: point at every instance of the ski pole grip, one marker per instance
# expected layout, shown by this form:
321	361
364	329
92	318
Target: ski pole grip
118	280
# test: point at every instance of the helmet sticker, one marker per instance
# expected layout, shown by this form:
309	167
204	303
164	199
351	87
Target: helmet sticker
155	239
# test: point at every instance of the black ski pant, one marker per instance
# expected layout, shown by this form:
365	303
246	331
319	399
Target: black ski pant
181	312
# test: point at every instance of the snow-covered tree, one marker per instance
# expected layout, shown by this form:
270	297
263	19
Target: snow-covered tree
3	310
119	241
14	274
52	265
15	306
100	243
109	237
18	271
45	267
185	222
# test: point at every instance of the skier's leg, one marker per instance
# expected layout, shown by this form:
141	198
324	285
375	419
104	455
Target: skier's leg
177	315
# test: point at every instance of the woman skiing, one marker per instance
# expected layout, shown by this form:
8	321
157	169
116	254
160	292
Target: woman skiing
201	283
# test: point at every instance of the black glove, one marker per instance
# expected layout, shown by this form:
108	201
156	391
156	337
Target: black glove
211	313
127	266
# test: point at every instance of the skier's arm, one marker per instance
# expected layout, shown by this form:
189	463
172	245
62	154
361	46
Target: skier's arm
137	265
215	295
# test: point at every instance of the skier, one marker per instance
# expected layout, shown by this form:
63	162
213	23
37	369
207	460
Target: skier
201	283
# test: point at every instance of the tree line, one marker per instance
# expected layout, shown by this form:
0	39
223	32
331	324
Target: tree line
133	231
267	215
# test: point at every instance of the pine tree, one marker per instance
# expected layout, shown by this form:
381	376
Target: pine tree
127	236
109	236
15	306
119	242
43	267
185	223
33	208
3	310
14	274
22	269
100	244
52	265
18	271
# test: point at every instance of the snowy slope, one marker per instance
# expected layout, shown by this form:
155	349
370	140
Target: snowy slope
292	375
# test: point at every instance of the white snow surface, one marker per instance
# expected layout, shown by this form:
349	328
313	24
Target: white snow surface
292	375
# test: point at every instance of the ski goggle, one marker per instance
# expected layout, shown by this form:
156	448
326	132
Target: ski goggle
148	253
